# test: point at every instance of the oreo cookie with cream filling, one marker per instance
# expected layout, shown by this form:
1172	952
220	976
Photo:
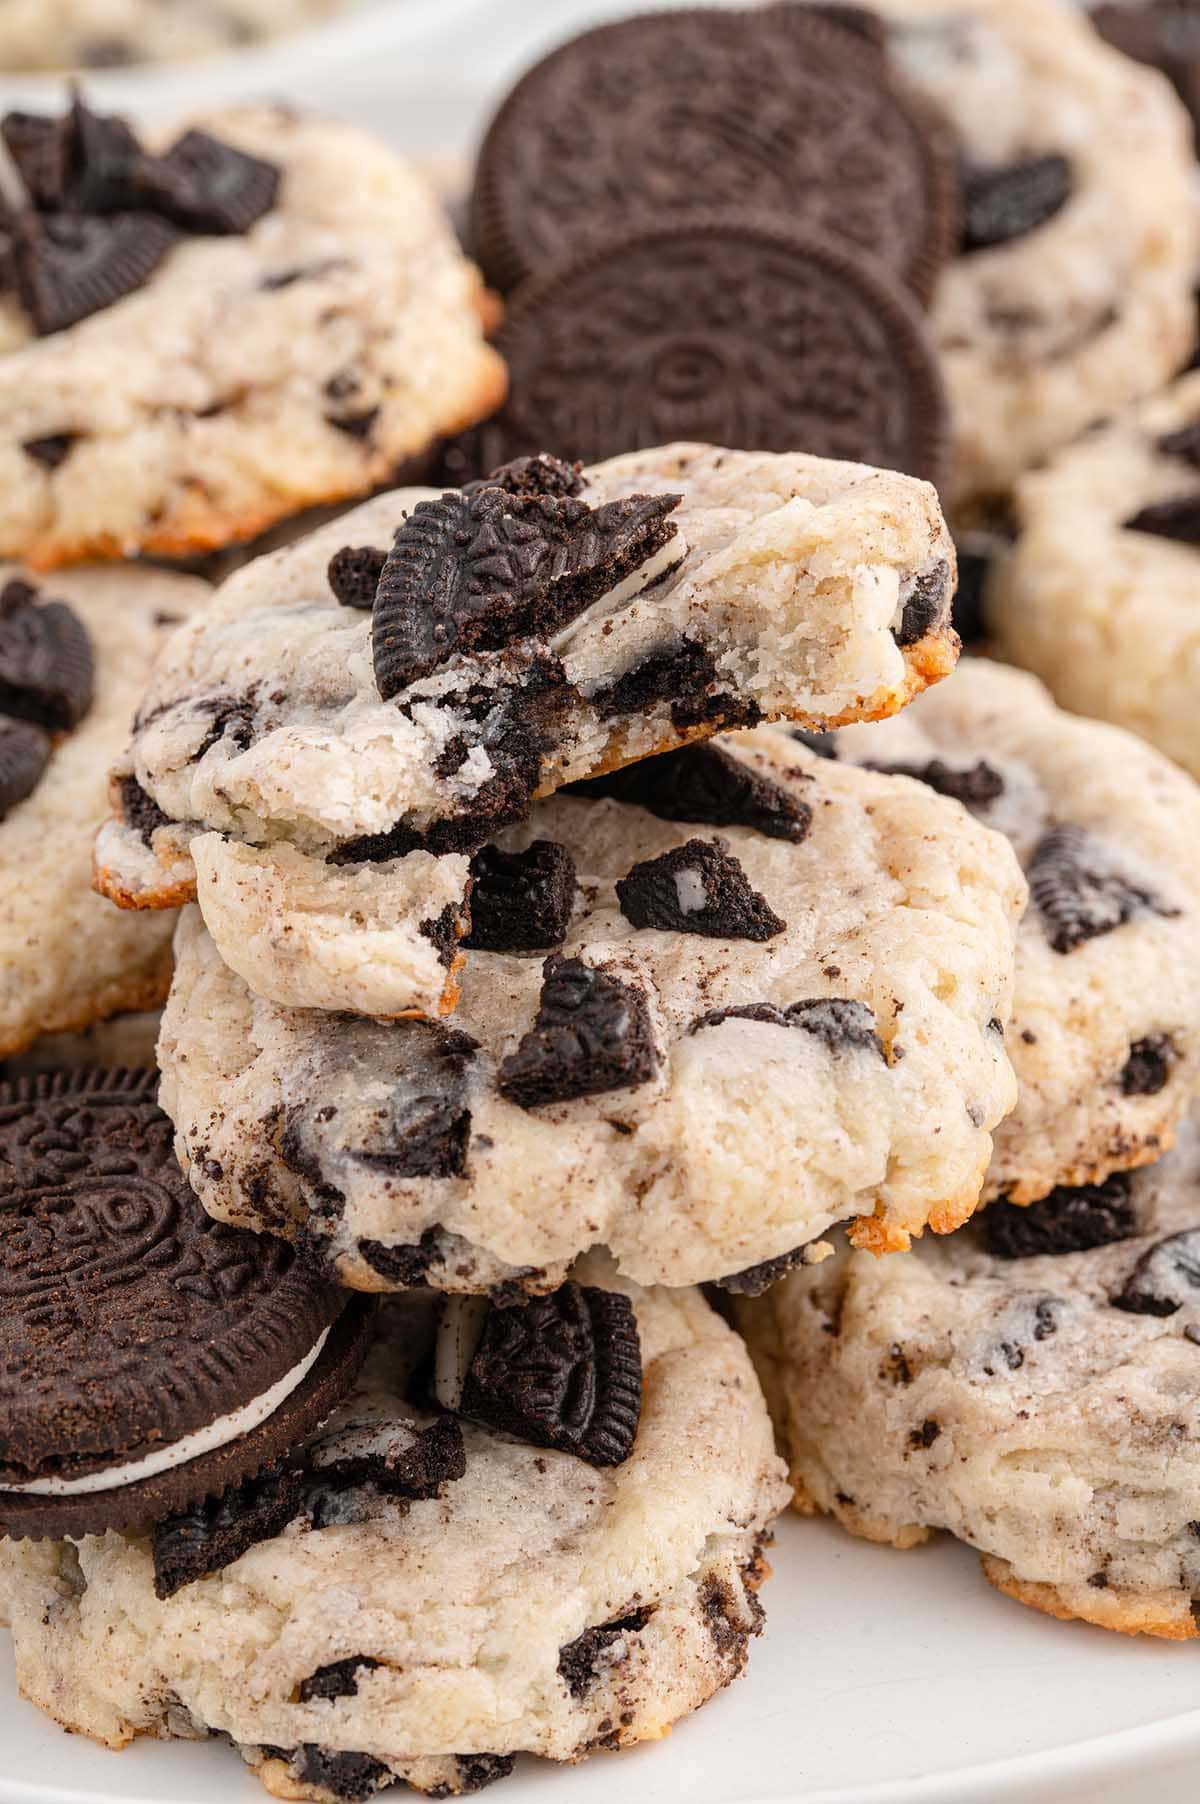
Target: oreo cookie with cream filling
149	1357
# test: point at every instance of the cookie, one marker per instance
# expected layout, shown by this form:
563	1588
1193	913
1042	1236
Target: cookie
1098	596
111	34
604	1603
1028	1385
1073	295
728	328
774	111
75	655
1163	33
213	331
759	1020
197	1354
591	618
1105	1030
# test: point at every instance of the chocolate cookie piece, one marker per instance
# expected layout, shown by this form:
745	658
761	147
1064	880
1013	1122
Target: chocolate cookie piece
354	574
47	672
521	901
1066	1221
698	887
1001	204
727	330
1080	891
70	265
841	1024
974	785
1178	519
592	1034
708	786
24	755
218	1530
563	1371
477	572
115	1282
1165	1277
656	118
204	185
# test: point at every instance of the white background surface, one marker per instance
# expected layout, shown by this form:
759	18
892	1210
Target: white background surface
883	1678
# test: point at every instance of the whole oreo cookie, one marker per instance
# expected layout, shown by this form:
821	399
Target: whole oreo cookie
726	330
149	1356
654	119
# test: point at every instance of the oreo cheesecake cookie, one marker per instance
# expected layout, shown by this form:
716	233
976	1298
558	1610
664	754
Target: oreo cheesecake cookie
114	34
714	1003
1105	1030
75	655
1028	1385
1072	294
1098	596
318	759
585	1534
206	331
156	1367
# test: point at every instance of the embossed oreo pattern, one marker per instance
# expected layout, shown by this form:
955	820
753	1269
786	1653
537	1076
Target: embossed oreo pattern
170	1320
638	124
723	331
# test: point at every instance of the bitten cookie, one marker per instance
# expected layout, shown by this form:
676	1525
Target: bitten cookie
75	656
203	336
1105	1031
450	1591
1029	1385
405	682
1099	595
1073	293
724	999
107	34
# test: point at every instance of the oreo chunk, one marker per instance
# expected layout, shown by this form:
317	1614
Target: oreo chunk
923	605
521	901
140	811
1148	1067
24	755
204	185
337	1680
51	451
47	672
708	786
592	1034
1066	1221
539	475
1177	519
1008	202
563	1371
697	888
1184	443
839	1022
354	574
1078	891
474	572
754	1280
396	1457
974	785
218	1531
582	1661
1164	1278
70	265
350	1778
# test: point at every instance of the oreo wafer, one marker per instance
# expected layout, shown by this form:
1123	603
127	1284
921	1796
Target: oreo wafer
723	330
650	121
149	1356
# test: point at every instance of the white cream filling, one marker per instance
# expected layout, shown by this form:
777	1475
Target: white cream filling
689	892
205	1440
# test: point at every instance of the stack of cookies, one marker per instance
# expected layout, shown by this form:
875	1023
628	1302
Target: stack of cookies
640	1045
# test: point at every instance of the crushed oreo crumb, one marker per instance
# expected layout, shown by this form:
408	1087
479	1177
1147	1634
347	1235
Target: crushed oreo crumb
337	1680
923	605
840	1023
1165	1277
581	1662
1147	1070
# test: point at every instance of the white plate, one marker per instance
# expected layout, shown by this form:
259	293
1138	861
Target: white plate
882	1678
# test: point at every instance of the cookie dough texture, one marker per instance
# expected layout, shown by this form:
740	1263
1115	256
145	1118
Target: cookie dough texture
93	34
1010	1402
1043	335
473	1605
1109	617
1080	1016
251	376
67	957
749	1138
264	722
